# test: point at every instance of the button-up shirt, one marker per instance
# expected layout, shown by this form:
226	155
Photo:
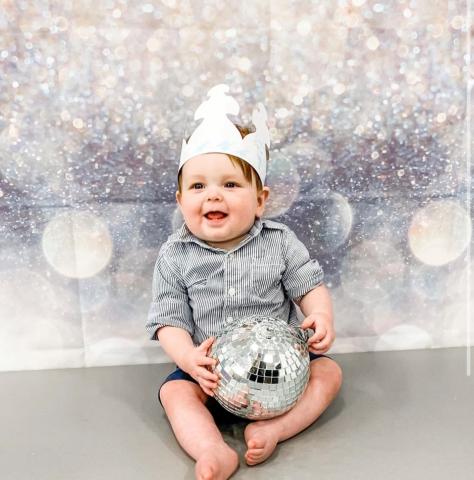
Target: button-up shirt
201	288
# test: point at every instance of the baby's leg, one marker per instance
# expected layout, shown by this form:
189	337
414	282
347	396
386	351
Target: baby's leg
262	436
196	431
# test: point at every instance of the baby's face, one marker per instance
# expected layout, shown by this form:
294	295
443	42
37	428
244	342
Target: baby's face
218	204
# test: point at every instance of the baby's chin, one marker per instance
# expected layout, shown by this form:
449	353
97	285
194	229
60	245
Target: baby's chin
223	241
216	240
208	237
219	234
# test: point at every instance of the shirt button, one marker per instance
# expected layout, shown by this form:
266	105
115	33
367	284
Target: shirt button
231	291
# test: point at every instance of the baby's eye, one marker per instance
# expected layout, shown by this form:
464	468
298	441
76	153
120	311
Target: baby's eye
197	186
230	184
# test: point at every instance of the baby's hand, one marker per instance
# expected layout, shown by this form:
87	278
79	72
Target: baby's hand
198	364
324	333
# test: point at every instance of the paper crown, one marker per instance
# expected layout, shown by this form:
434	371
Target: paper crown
217	134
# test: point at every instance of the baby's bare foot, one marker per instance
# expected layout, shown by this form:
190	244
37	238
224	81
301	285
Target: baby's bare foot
261	441
217	463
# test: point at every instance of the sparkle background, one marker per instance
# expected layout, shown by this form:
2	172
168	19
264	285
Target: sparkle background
367	105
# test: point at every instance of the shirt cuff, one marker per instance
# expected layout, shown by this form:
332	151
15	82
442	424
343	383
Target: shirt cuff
297	292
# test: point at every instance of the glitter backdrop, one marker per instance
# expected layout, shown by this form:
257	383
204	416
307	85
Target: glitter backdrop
367	109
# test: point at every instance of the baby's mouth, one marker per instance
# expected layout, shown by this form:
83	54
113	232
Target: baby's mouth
215	215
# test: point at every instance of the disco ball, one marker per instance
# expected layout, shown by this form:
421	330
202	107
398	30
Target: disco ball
264	367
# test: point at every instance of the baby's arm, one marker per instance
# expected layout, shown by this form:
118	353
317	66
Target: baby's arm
178	344
316	306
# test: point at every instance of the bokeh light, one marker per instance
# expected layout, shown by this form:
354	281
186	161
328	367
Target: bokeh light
333	222
404	337
77	244
439	232
372	270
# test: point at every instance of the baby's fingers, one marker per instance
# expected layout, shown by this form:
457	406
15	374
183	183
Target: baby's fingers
318	350
206	390
322	346
204	347
319	335
206	362
207	375
208	386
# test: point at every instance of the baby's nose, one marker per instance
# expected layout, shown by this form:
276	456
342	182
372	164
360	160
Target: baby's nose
214	193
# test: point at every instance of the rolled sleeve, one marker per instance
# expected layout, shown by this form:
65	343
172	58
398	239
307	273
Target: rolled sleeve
169	306
302	273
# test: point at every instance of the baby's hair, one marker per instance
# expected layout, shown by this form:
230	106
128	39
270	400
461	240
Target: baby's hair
248	171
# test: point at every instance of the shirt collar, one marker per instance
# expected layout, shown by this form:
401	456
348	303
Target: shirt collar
185	235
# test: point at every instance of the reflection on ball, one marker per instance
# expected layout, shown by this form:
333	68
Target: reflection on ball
264	367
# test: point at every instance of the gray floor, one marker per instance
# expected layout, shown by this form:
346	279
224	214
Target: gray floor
400	415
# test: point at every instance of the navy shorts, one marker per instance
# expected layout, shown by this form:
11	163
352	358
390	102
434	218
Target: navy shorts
214	407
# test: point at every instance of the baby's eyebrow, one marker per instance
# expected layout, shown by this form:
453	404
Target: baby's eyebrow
223	178
195	175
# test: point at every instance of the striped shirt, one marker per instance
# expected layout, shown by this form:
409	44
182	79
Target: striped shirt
201	288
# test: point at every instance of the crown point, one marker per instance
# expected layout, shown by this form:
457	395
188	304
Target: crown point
220	89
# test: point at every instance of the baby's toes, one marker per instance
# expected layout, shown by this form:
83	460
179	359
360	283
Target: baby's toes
260	445
253	459
256	444
255	449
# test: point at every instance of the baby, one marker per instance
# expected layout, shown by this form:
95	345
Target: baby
225	263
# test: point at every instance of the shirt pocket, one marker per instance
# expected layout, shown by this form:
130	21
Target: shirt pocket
266	279
197	293
196	287
196	284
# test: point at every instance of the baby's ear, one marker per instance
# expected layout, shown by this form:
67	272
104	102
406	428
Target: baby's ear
263	195
178	197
